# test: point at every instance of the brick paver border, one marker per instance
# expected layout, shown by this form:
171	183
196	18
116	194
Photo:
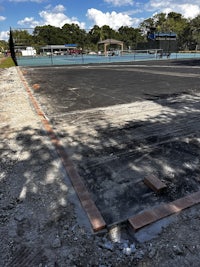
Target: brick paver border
88	204
152	215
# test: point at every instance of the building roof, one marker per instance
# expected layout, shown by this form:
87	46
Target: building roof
110	41
58	46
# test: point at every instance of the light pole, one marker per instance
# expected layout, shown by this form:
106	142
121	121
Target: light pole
169	46
197	46
196	38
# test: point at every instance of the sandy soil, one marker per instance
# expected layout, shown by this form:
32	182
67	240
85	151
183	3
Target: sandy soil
41	221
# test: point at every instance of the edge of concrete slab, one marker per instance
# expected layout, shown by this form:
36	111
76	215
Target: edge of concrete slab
157	213
88	204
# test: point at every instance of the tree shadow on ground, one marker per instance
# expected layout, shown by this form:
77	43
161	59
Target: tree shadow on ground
35	206
187	62
113	157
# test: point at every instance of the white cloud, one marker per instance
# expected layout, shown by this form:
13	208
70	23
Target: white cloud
53	16
114	20
58	8
54	19
184	7
119	2
2	18
4	35
188	10
28	22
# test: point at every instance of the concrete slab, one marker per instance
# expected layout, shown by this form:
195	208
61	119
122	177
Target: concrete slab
121	123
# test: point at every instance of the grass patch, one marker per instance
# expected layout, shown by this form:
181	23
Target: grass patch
6	62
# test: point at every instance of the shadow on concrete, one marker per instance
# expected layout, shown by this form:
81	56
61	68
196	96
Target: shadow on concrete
34	199
113	160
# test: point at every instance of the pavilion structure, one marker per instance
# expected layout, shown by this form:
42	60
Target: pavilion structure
110	42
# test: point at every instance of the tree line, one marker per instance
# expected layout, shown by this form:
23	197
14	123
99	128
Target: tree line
187	30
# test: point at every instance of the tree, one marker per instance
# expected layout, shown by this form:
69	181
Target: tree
130	36
166	23
108	33
3	46
93	37
160	21
48	35
194	33
188	33
22	38
72	34
95	34
147	24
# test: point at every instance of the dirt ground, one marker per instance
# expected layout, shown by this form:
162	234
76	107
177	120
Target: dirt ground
42	223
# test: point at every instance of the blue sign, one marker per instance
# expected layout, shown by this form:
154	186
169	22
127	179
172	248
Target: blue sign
70	45
152	36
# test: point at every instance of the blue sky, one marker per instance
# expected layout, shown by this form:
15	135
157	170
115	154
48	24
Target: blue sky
87	13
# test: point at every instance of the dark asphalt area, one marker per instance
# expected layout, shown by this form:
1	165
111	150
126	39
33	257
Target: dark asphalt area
122	122
91	86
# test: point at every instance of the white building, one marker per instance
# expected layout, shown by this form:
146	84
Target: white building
29	51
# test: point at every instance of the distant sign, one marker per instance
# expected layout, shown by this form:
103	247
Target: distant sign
70	45
152	36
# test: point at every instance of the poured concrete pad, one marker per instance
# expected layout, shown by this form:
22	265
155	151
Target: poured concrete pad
121	123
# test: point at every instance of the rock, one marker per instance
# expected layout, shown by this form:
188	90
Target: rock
129	250
178	250
152	252
20	216
107	245
66	227
115	234
56	243
139	255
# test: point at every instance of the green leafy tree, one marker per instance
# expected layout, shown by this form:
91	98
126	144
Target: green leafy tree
22	38
194	33
171	22
147	24
72	34
188	33
48	35
130	36
95	34
3	46
108	33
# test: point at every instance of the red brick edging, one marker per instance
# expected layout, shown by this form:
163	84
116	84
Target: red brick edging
88	204
149	216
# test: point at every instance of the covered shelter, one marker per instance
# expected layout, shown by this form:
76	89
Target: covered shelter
108	42
59	49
